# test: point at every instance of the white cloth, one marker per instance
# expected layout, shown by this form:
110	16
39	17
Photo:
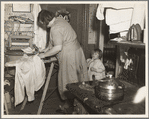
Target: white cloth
118	20
120	16
98	65
30	75
114	17
120	27
40	39
138	16
109	5
141	94
99	13
127	63
28	50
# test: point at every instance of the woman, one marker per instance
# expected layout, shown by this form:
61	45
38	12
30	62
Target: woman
72	63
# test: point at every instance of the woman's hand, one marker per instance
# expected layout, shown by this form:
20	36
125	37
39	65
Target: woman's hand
41	55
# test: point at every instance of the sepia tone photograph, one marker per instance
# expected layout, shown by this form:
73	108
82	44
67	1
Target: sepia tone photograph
74	59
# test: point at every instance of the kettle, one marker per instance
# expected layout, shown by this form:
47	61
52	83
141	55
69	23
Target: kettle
109	89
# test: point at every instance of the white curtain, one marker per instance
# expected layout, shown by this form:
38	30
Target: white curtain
40	34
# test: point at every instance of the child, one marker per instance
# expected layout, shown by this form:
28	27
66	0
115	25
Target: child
95	65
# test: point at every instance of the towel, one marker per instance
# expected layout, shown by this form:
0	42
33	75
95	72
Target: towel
30	76
118	16
138	16
118	20
99	13
119	27
113	5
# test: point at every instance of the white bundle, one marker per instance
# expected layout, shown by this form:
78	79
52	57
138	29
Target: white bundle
28	50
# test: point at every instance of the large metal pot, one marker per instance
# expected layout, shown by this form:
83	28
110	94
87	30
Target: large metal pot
109	89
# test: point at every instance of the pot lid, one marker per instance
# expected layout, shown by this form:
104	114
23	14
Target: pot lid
110	83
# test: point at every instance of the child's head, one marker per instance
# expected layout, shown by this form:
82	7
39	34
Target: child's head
96	54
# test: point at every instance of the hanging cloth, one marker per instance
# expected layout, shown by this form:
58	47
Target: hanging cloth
30	76
40	34
120	16
138	16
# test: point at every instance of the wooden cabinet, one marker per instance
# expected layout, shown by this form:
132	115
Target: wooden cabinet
138	51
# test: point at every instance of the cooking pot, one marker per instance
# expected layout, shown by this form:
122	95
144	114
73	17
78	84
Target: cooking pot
109	89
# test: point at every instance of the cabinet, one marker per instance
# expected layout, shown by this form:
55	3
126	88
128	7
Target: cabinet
138	51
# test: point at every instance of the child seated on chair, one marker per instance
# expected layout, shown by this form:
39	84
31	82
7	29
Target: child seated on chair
95	65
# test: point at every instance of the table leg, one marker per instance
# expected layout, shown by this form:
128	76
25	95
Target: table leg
45	88
5	104
24	103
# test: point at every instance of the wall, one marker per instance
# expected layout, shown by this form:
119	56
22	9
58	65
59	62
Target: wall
92	25
8	12
13	26
76	15
90	29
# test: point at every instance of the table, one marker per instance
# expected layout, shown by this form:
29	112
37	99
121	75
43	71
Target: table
97	106
52	61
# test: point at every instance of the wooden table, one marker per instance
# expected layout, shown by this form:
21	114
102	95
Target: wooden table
52	61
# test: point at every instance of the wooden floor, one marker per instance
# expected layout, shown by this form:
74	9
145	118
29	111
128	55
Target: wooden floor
50	105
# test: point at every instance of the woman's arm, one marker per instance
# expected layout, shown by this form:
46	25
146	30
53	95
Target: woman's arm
56	49
48	48
57	38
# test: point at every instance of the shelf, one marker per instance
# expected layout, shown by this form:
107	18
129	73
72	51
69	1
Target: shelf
129	44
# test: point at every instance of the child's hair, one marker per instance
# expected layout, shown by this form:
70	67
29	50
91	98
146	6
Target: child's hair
97	50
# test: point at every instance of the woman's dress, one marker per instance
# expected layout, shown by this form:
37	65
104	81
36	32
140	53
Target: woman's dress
72	62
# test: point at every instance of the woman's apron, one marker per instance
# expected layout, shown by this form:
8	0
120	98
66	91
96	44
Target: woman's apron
72	66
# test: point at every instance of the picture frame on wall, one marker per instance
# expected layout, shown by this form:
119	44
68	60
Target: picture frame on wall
26	8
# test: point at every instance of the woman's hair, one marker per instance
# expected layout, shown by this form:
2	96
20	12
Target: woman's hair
99	52
44	17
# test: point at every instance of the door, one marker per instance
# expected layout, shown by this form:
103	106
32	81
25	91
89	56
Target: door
76	19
